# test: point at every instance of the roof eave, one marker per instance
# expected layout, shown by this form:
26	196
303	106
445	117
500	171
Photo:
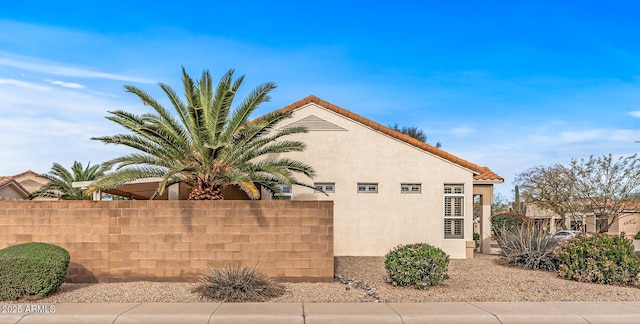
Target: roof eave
473	168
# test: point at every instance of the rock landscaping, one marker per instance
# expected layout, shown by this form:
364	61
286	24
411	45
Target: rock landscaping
362	279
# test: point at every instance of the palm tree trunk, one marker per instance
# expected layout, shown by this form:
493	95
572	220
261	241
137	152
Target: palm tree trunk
205	193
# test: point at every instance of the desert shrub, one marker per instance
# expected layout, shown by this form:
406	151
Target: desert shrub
507	221
607	259
239	283
31	270
420	265
528	246
637	236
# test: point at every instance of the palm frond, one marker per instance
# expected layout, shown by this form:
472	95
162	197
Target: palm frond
119	177
241	115
210	143
61	180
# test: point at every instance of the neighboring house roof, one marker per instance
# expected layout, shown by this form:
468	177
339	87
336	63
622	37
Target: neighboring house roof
480	173
25	182
11	182
28	172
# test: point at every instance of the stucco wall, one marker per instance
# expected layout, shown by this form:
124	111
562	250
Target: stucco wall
372	224
629	223
10	193
177	240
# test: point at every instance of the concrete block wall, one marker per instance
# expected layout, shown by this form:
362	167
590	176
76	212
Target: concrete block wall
112	241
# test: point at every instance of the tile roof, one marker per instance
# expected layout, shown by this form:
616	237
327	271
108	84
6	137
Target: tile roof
481	173
5	181
25	173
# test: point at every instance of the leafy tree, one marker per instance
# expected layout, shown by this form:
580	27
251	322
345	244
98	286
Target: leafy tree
209	145
607	187
61	179
413	132
551	188
600	186
500	204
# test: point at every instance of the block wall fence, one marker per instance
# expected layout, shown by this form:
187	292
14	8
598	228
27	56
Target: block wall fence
113	241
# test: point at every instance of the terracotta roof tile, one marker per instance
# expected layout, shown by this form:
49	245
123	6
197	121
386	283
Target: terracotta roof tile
481	173
25	173
5	180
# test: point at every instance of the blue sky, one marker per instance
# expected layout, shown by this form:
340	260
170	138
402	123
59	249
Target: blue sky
505	84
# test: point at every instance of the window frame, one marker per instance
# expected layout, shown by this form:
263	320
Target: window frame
323	186
368	186
453	205
410	187
285	194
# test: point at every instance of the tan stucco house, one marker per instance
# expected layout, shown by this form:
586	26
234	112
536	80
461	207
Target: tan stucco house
388	188
21	185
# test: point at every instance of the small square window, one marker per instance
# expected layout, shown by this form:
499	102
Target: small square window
411	188
367	188
327	187
285	194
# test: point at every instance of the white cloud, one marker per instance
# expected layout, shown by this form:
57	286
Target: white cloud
71	85
53	68
581	136
462	130
624	135
635	113
33	142
24	84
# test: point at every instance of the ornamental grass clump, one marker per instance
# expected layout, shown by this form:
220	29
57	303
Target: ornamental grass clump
32	270
528	246
606	259
239	283
419	265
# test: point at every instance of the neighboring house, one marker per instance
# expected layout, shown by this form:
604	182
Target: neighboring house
628	222
21	185
10	189
388	188
547	219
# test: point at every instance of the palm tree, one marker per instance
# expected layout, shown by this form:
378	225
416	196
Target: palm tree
61	179
209	145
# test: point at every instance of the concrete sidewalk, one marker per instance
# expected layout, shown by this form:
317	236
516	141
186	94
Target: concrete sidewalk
493	312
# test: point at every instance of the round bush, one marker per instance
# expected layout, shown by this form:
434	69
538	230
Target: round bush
637	237
32	270
419	265
607	259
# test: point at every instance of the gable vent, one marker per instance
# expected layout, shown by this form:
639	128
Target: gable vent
314	123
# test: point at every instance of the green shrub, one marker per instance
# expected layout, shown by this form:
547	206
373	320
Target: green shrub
32	270
239	284
418	265
607	259
528	246
637	237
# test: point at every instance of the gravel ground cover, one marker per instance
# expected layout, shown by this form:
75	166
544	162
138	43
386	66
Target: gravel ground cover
361	279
